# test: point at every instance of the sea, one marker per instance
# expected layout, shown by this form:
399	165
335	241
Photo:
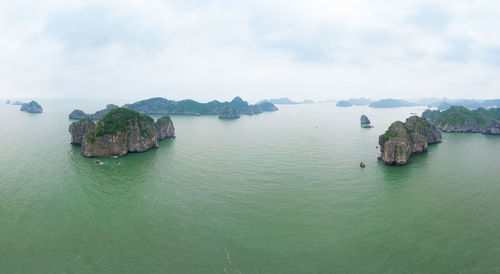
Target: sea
278	192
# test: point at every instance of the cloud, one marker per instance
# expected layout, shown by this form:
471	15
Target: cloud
255	49
431	17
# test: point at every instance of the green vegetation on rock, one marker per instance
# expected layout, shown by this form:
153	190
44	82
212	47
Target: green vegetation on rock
119	132
119	120
401	140
462	119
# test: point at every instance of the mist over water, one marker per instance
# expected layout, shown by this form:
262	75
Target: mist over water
278	192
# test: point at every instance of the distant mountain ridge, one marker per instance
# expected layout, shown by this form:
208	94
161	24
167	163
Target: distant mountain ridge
353	102
285	101
162	106
462	119
445	104
391	103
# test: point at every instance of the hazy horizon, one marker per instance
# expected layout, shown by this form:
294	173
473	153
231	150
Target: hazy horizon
117	100
319	50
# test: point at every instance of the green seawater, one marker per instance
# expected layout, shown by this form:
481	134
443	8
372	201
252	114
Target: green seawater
278	192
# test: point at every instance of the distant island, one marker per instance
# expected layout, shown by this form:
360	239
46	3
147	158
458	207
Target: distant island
365	122
353	102
402	140
344	104
439	103
32	107
307	101
462	119
445	104
16	103
391	103
280	101
285	101
80	115
360	101
119	132
162	106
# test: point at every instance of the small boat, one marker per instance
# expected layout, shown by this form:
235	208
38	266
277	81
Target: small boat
98	162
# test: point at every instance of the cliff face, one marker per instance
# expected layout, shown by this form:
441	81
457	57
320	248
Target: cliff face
165	128
80	130
119	132
402	140
461	119
492	127
32	107
228	112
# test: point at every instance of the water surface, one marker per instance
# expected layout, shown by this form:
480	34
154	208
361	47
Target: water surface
278	192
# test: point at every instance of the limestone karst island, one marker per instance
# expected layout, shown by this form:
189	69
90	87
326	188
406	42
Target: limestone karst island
161	106
402	140
119	132
31	107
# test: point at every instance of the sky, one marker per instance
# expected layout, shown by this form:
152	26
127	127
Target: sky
255	49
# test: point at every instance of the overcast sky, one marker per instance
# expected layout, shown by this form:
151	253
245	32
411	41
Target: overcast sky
256	49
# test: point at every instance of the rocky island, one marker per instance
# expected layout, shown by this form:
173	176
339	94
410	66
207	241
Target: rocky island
268	107
402	140
280	101
391	103
365	122
32	107
80	115
344	103
462	119
119	132
162	106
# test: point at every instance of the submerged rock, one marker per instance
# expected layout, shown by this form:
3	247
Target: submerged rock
32	107
402	140
228	112
119	132
365	122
